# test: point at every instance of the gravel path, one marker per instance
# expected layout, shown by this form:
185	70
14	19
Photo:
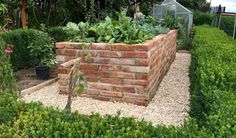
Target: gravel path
169	106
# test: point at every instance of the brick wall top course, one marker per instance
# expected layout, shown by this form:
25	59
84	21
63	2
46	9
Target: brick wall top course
117	46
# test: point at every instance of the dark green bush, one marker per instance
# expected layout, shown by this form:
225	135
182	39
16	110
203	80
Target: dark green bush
21	39
200	18
58	34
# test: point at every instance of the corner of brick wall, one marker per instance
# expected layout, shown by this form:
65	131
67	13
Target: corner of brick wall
120	72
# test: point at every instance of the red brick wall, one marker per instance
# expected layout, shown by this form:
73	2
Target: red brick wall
120	72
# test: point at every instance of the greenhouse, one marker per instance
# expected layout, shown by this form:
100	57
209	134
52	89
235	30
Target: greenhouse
176	9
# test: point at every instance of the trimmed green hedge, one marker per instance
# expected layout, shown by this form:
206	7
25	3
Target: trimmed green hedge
213	81
21	39
200	18
19	119
213	103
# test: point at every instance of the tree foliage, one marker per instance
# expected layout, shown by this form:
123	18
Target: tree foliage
200	5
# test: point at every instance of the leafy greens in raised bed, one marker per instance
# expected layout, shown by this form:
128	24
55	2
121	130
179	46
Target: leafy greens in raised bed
123	30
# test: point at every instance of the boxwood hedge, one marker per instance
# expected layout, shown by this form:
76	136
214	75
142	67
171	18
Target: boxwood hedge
213	81
212	114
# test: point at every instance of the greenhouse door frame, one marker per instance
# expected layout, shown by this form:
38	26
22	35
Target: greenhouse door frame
228	14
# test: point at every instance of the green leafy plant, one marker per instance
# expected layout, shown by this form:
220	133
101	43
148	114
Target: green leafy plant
79	32
41	49
3	13
123	30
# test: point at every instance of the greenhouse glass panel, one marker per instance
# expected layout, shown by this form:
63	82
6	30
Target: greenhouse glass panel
176	10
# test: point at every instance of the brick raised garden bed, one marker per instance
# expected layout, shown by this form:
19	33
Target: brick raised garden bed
119	72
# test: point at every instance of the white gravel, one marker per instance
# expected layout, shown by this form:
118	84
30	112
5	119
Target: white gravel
169	106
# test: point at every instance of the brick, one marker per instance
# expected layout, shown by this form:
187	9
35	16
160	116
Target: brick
141	62
136	102
100	46
110	67
76	45
109	54
88	67
102	98
92	73
123	75
111	94
140	89
91	78
84	53
60	45
70	52
123	88
141	76
142	47
100	86
60	58
134	55
122	47
135	96
110	80
135	69
103	61
90	60
59	51
122	61
135	82
151	43
92	92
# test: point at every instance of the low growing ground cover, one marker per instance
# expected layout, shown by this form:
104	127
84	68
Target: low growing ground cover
213	103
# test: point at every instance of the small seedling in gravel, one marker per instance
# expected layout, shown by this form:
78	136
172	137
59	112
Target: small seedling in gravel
76	84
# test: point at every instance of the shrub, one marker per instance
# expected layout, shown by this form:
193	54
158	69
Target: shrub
200	18
58	34
21	39
37	121
213	81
